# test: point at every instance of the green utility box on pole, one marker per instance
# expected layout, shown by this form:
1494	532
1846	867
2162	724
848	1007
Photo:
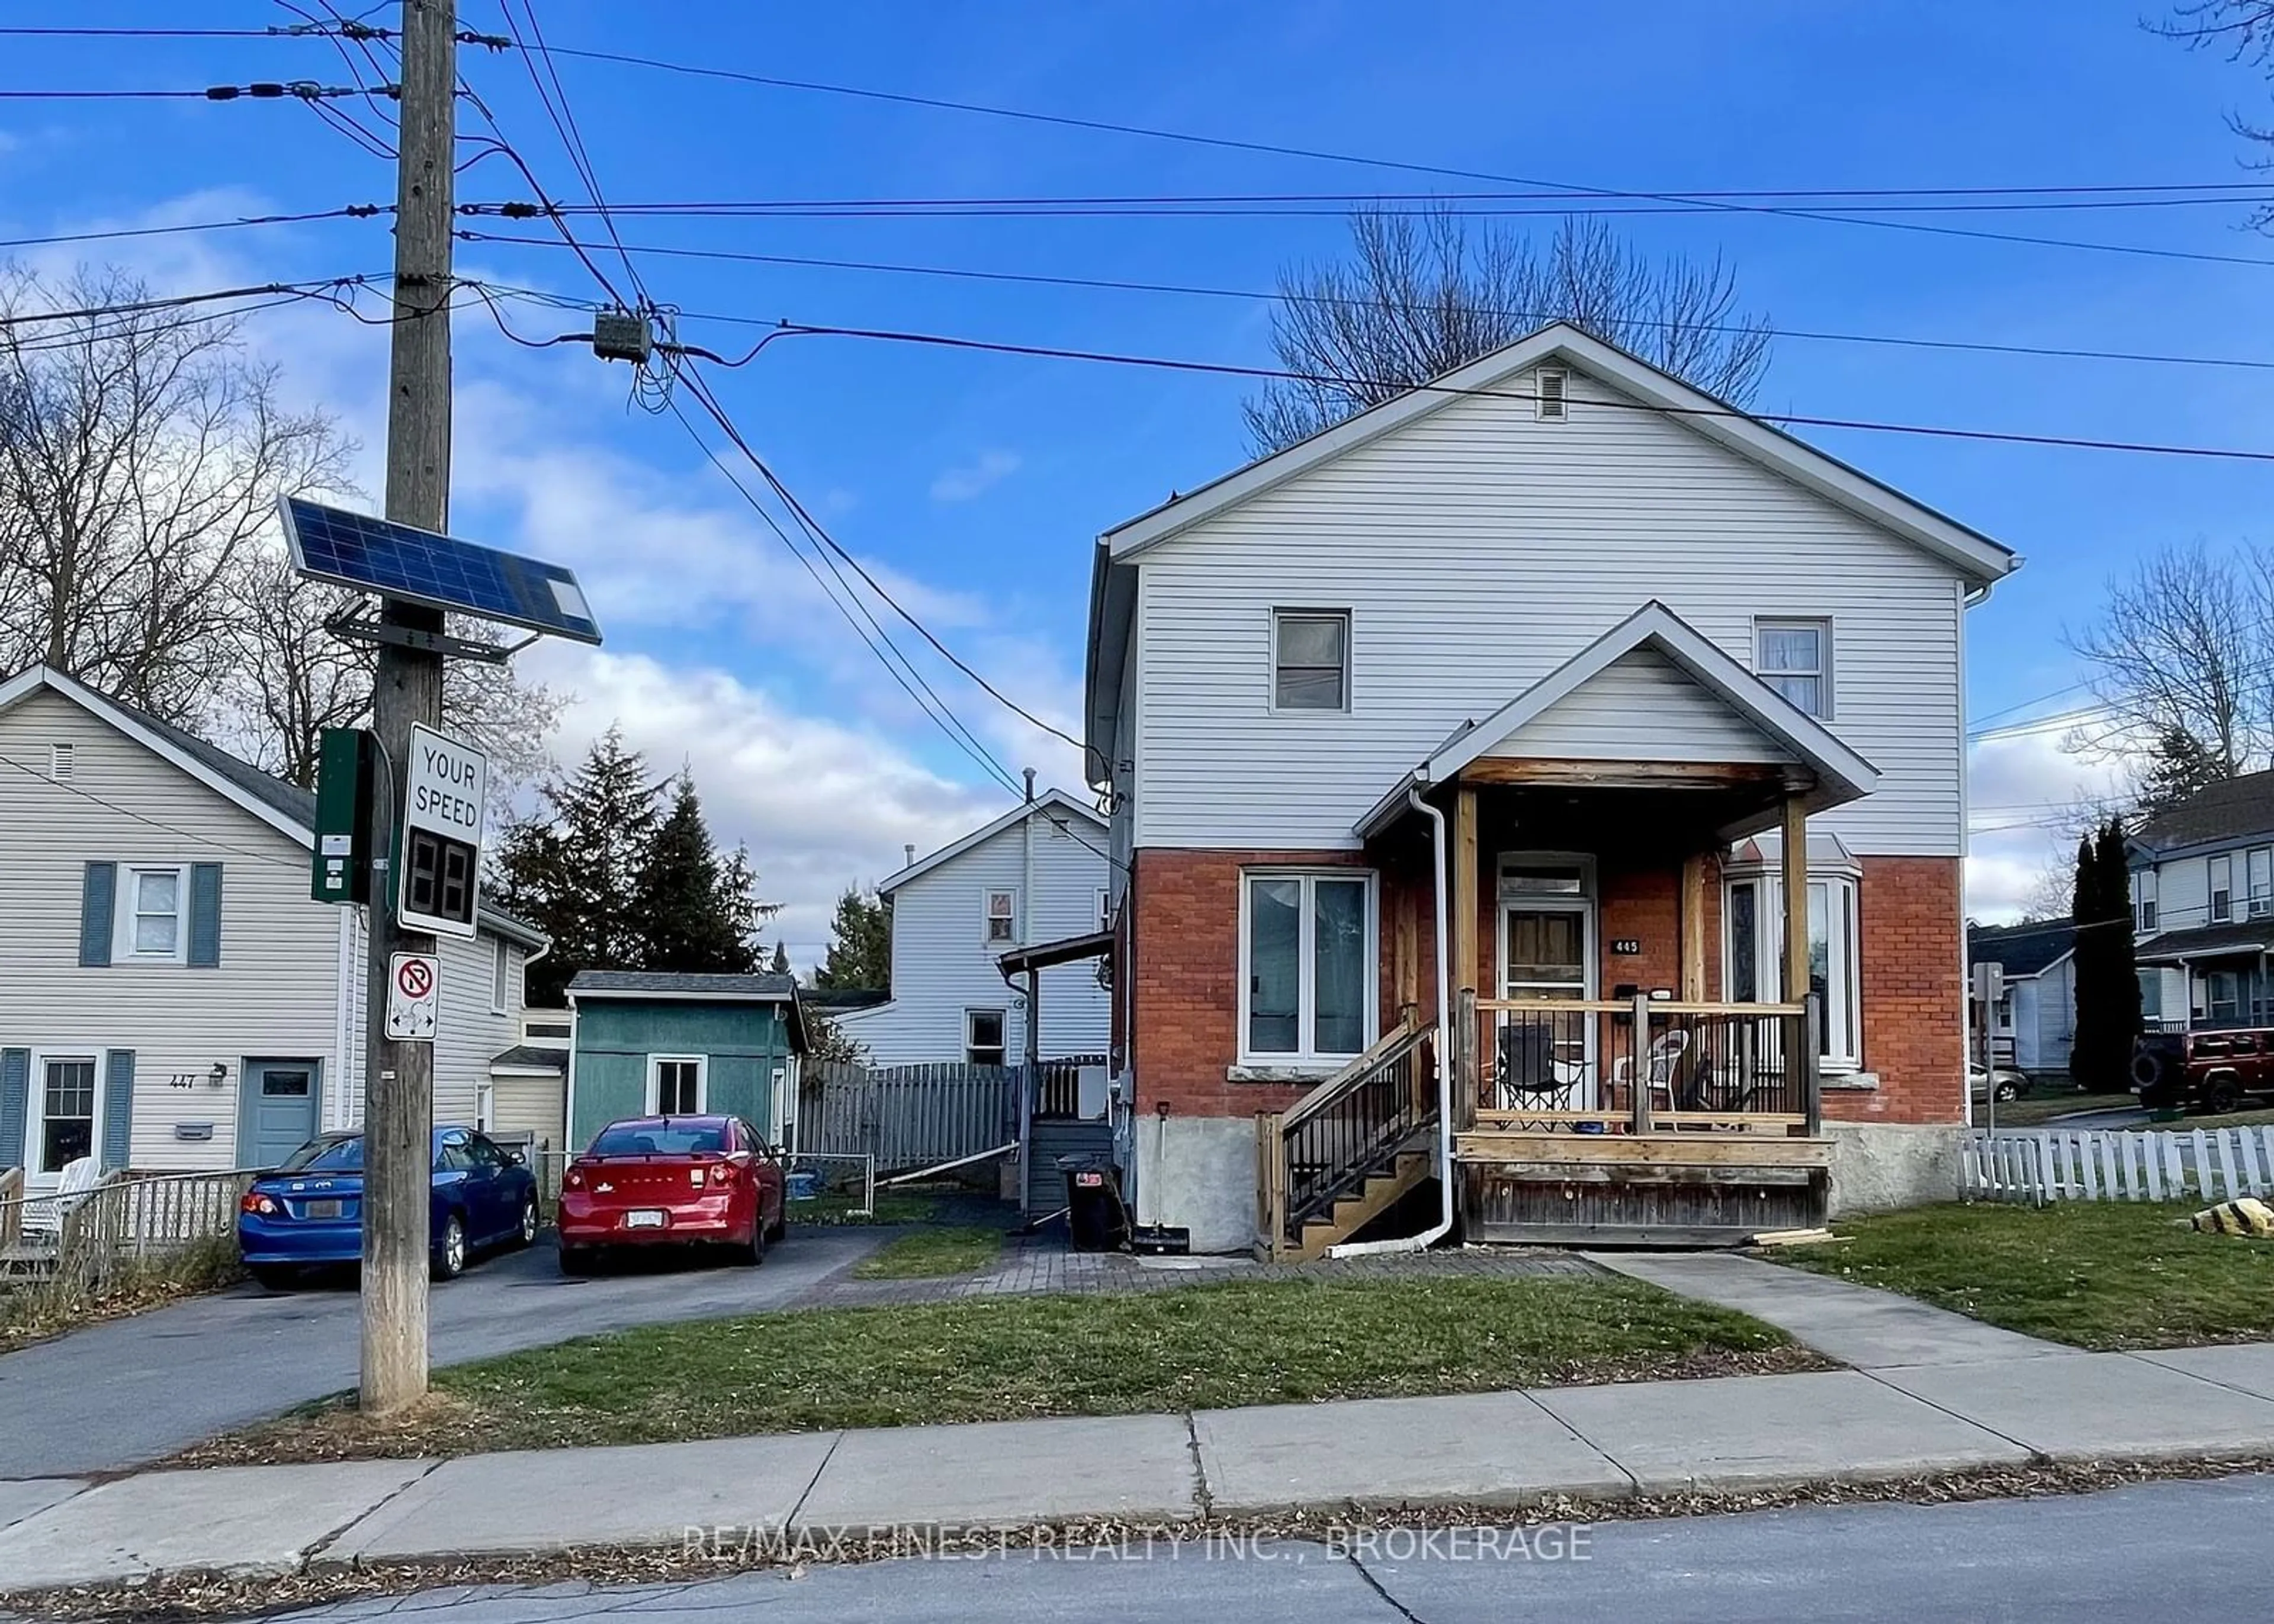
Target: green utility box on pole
344	770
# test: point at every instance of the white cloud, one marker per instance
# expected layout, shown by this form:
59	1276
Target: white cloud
2027	797
975	478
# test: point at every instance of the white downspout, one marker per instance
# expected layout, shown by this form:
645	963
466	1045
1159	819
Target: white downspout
1444	1055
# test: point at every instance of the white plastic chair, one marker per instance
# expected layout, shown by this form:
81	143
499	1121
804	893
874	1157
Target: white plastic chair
45	1216
1664	1060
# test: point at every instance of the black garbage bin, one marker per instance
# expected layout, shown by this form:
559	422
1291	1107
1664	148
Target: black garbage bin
1095	1217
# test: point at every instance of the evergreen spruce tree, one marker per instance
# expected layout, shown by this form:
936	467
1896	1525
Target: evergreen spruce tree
2107	981
685	918
738	900
2123	969
2088	1048
780	965
860	954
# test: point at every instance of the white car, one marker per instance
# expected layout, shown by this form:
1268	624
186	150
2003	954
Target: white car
2009	1083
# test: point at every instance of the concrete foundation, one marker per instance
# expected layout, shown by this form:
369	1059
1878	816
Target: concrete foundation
1198	1173
1879	1167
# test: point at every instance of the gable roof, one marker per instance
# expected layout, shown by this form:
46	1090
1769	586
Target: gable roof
1967	550
2228	810
286	807
1841	774
1113	595
1052	799
2024	950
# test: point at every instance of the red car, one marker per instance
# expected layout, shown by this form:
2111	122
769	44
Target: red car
650	1181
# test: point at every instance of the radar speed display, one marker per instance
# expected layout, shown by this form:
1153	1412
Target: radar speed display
446	786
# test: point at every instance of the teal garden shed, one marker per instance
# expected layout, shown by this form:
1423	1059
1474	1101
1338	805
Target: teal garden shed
667	1043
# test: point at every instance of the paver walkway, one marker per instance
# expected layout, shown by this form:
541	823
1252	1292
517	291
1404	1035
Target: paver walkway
1860	1326
1734	1432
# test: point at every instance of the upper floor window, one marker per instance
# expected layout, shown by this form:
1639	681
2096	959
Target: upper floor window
1001	917
2262	880
1307	965
2143	901
1794	659
1310	659
2222	889
151	902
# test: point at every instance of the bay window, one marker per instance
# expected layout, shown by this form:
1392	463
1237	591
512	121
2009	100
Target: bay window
1307	965
1753	956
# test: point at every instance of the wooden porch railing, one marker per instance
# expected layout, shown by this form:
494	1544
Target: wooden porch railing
1344	1131
1639	1065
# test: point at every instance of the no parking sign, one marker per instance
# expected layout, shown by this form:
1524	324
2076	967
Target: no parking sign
414	996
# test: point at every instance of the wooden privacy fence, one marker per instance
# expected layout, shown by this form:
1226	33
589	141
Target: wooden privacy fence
906	1117
2052	1164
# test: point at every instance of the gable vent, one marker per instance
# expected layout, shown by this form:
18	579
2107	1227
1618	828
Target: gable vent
61	766
1550	399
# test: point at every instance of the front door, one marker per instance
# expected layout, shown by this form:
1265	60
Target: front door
1545	953
278	1106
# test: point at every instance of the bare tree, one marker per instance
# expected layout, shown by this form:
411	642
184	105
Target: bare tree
1422	294
2179	659
139	455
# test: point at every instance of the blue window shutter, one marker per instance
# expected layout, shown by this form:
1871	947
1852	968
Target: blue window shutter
118	1108
205	916
98	900
15	1104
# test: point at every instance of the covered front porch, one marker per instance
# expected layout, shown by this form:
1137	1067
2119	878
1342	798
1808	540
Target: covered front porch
1631	1006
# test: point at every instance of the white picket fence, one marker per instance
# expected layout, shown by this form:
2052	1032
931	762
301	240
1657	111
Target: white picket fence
2037	1165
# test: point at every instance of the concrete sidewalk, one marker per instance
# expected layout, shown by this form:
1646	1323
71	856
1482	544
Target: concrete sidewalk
1513	1448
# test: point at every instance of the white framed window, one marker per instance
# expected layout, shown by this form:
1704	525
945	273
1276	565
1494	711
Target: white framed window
153	923
2261	864
2143	901
1308	965
1104	908
1310	659
1794	657
677	1084
983	1037
1752	962
1551	393
67	1110
2222	889
503	987
1001	921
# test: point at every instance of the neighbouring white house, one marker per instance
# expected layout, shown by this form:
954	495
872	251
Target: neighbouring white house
1037	873
2033	1025
172	999
1564	733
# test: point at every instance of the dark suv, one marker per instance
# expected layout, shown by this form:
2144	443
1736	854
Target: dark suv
2210	1070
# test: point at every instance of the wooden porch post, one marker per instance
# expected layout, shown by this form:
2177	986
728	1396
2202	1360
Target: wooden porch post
1406	951
1693	928
1462	899
1795	898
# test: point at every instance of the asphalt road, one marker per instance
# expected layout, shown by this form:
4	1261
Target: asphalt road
131	1390
2175	1550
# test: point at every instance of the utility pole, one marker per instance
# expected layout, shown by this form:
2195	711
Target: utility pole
399	1077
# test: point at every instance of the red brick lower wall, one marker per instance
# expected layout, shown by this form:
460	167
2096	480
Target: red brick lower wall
1182	979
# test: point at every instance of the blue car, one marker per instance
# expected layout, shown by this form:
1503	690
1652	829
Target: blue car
309	1212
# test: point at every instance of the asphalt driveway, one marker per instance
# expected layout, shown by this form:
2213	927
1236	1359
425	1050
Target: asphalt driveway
129	1391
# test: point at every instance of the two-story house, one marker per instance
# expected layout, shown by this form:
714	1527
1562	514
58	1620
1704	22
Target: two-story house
1563	676
171	998
1036	874
2202	906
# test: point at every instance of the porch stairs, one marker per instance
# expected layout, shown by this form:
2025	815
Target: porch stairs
1347	1151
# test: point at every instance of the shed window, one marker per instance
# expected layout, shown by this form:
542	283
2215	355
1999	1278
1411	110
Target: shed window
675	1084
1794	659
1310	659
983	1037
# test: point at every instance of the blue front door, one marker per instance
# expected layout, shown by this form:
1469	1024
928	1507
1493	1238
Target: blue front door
278	1106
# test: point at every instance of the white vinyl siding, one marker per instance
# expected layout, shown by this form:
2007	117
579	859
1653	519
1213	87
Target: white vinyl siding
1641	705
275	993
1480	549
942	967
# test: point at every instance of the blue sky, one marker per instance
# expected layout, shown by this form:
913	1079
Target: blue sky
975	484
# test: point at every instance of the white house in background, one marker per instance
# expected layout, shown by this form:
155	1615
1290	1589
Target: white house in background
171	998
2033	1024
1039	873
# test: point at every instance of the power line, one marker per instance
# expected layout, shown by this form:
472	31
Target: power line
267	90
176	301
354	211
1789	419
201	840
1260	296
564	124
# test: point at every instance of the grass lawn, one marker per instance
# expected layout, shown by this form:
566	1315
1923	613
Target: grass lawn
2096	1273
831	1206
1247	1343
2043	1107
930	1252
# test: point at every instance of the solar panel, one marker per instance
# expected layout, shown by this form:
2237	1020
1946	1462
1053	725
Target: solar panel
396	561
